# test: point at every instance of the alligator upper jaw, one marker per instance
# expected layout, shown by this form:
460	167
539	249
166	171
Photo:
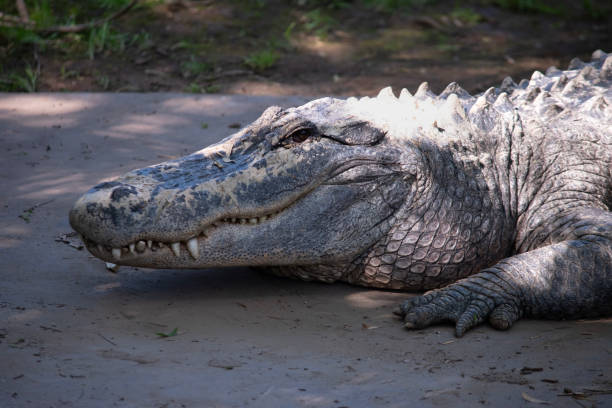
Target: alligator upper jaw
181	253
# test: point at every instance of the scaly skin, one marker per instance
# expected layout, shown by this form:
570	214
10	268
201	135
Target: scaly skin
500	204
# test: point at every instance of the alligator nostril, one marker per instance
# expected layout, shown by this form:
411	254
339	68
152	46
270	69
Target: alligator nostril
123	191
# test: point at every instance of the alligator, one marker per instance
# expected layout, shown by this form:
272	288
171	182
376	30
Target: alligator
498	205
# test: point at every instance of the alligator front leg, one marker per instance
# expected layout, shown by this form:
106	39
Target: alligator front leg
567	279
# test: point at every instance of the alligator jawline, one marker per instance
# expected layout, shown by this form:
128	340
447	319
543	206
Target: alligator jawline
140	247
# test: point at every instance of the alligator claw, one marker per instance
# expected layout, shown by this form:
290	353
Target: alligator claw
459	304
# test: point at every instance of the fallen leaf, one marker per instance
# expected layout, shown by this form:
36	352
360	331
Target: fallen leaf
53	329
435	393
599	390
70	238
171	334
225	364
529	398
122	355
530	370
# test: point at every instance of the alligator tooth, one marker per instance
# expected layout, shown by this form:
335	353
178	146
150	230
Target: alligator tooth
133	248
598	54
116	253
576	63
112	267
192	247
422	91
263	218
100	248
386	94
161	244
507	85
140	246
243	220
405	95
233	220
176	248
149	244
490	95
536	75
253	220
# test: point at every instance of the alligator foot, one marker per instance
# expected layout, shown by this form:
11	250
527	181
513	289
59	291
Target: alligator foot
467	303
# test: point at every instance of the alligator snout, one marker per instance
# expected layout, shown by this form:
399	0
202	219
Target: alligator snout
106	207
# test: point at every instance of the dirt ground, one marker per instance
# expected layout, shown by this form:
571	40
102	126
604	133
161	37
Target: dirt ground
311	47
73	334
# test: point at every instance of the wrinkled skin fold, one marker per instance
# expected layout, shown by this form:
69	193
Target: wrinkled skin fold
499	203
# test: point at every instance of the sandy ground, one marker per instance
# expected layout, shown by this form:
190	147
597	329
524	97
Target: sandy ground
72	334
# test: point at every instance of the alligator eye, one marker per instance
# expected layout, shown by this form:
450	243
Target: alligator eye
297	137
300	135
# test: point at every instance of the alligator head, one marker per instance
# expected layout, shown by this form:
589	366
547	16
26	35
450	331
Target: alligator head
314	185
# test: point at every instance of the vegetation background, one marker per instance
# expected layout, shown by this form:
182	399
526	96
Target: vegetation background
308	47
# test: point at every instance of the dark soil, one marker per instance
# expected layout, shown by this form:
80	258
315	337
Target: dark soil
315	49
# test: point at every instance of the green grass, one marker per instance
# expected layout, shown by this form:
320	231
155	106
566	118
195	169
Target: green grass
103	81
194	67
395	5
194	87
212	88
466	15
104	38
530	6
319	22
42	14
442	42
261	60
595	11
166	335
25	82
141	40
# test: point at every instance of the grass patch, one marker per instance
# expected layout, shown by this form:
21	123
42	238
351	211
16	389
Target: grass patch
442	42
530	6
194	67
212	88
104	38
25	81
103	81
395	5
194	87
390	41
466	15
595	11
319	22
261	60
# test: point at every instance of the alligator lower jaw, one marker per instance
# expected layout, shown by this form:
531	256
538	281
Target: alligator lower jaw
144	248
